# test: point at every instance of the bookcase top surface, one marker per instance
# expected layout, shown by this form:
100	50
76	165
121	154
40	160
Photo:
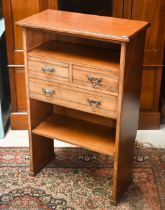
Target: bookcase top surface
91	26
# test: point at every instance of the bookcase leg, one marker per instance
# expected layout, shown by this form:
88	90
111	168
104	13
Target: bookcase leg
41	152
119	190
122	177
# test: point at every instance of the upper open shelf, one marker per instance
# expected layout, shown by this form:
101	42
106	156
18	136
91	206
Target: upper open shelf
91	26
78	53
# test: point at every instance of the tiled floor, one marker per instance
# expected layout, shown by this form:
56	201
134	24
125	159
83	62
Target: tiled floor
20	138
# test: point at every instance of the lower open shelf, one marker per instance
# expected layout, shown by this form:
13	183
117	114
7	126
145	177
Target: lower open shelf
78	132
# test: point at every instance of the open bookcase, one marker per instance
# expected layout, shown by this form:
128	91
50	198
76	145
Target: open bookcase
83	75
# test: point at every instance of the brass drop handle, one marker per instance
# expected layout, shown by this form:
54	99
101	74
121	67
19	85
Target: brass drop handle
47	69
48	92
94	81
94	103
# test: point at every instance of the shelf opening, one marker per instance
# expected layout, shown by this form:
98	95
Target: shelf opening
80	51
78	132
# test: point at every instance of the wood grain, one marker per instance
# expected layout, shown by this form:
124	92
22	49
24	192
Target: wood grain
20	90
45	146
47	118
7	12
36	70
108	122
64	57
81	133
73	97
13	11
149	120
80	54
19	121
53	4
45	152
152	11
108	84
128	111
94	27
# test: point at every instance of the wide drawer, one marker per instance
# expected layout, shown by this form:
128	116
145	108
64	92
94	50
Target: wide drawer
75	98
46	69
96	79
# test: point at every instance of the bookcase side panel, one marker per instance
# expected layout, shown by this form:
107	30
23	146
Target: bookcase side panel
41	148
128	113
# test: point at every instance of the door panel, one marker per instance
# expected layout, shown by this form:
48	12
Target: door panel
150	89
20	10
53	4
15	10
147	90
20	90
152	11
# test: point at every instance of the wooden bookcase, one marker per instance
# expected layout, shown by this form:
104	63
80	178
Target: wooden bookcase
83	77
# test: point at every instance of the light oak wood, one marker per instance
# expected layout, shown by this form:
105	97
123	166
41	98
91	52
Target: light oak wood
39	37
108	82
128	111
64	57
19	14
49	102
45	152
43	145
73	97
38	69
80	54
81	133
94	27
148	10
108	122
38	60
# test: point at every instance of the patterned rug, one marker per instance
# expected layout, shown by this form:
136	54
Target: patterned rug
78	179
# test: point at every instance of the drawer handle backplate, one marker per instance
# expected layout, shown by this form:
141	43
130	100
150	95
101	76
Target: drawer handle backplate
48	92
94	81
94	103
47	69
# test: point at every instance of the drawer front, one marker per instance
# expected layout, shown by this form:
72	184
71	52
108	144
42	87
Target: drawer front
72	97
47	70
96	79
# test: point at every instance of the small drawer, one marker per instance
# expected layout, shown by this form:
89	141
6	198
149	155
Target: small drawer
47	69
75	98
96	79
